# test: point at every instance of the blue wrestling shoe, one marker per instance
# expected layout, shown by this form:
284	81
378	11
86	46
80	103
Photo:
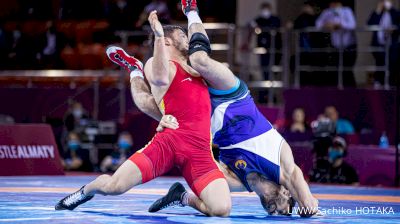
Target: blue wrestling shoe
172	198
73	200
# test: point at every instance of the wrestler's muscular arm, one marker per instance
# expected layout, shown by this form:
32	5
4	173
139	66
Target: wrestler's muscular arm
158	72
143	98
292	178
157	69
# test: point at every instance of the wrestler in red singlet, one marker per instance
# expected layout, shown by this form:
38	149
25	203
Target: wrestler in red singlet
188	147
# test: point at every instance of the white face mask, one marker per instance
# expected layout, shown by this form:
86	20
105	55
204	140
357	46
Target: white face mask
265	13
77	113
16	34
121	4
387	4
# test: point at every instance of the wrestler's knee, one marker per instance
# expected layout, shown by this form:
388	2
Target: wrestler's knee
115	186
222	209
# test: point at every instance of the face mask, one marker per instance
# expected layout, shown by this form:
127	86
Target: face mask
265	13
16	34
77	113
73	145
121	4
123	144
387	4
334	154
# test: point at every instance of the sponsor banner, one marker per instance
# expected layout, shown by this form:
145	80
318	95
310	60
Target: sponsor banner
28	149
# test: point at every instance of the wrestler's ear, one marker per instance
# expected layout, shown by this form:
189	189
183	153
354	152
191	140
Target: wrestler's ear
168	41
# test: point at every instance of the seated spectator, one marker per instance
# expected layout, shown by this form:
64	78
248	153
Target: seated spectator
162	12
119	155
334	169
75	158
75	118
343	126
6	119
299	123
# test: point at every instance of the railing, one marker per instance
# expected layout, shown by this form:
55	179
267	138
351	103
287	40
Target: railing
341	68
223	38
291	47
92	81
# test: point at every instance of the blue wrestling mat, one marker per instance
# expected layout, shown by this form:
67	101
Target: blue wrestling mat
32	200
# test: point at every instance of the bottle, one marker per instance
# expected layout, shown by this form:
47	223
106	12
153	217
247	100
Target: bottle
383	141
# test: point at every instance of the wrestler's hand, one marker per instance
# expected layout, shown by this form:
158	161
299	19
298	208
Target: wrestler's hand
155	24
167	121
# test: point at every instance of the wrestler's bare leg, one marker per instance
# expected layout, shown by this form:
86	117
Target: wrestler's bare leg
127	176
217	75
215	199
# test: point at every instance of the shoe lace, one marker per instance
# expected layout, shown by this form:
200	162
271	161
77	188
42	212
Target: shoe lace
125	62
172	203
74	198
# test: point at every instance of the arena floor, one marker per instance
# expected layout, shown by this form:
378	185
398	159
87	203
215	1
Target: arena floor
32	200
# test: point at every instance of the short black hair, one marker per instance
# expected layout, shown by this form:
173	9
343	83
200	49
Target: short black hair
168	30
265	5
271	205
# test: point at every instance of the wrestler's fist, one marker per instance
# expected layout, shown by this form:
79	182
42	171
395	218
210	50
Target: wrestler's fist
167	121
155	24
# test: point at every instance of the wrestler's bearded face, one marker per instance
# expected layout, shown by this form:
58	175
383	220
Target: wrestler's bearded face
180	41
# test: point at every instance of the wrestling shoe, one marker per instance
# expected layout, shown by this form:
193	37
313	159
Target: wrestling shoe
172	198
73	200
189	5
121	58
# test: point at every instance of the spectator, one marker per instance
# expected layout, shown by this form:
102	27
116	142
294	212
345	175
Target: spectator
75	158
33	10
162	12
6	119
3	46
22	54
75	118
305	20
52	44
308	41
121	15
343	126
386	18
299	124
262	25
334	169
80	10
340	22
120	153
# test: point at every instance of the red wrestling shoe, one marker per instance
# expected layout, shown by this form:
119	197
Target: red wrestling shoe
189	5
121	58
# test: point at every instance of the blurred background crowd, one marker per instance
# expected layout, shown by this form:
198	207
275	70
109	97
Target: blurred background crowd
54	70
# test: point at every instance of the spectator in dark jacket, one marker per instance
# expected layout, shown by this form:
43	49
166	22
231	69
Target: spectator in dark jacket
386	18
262	25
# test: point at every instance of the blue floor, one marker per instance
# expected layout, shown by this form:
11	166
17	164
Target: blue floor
32	200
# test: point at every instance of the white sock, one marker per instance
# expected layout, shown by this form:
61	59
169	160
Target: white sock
136	73
193	17
185	198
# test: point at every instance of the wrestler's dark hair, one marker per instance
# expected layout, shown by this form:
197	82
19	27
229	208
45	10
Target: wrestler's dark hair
271	205
168	31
